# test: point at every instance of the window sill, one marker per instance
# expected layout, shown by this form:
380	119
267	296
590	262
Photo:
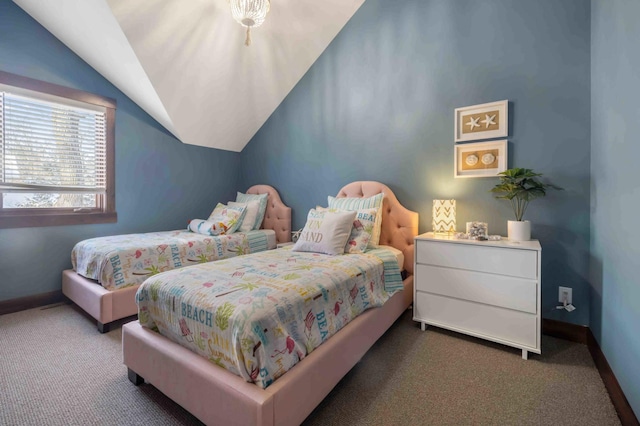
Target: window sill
55	219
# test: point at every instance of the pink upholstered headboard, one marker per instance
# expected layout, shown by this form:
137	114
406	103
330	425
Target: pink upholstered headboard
399	225
277	216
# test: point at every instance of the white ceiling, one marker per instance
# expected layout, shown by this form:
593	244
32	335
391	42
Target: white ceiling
185	63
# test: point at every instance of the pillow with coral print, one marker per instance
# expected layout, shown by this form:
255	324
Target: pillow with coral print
223	220
362	230
354	204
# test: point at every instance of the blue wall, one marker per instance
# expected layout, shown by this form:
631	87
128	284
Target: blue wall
615	189
378	105
160	182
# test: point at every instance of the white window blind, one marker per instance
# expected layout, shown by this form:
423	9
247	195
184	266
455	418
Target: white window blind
46	146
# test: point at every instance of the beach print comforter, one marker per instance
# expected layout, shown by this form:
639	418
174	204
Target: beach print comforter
122	261
258	315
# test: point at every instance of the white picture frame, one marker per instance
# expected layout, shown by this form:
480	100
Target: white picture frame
484	121
480	159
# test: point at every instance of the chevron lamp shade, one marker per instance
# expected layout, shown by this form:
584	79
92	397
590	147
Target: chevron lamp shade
444	216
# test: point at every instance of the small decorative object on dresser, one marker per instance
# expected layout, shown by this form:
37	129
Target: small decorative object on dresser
477	229
520	186
488	289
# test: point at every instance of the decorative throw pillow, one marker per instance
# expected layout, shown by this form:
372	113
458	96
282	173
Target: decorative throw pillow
325	232
354	204
204	227
361	231
250	216
262	198
222	221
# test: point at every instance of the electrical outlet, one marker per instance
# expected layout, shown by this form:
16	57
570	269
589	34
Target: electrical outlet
565	292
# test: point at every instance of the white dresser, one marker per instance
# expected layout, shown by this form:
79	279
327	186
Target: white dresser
487	289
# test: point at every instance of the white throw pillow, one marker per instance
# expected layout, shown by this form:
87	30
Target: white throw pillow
354	204
325	232
250	216
361	231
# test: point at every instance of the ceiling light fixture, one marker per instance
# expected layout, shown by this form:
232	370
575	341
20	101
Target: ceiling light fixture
249	13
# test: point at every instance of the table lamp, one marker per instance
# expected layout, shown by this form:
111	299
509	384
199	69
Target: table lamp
444	216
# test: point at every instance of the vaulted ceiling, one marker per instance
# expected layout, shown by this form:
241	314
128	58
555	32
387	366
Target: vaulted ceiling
185	63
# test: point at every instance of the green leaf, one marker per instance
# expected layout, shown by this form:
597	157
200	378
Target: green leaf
223	313
519	186
291	276
153	270
246	286
154	289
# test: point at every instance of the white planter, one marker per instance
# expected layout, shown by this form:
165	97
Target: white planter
519	230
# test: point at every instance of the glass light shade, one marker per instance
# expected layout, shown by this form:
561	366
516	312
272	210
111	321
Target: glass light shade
444	216
250	13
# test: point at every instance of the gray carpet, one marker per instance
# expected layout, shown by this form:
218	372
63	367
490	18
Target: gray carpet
56	369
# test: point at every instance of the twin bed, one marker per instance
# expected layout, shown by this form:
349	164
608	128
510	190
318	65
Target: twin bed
292	367
108	270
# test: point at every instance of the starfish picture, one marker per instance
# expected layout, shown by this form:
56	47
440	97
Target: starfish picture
473	122
482	121
488	120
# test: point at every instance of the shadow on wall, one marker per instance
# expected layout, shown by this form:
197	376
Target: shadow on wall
595	280
559	250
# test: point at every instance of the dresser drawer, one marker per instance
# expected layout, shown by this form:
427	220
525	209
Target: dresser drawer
498	290
495	260
489	322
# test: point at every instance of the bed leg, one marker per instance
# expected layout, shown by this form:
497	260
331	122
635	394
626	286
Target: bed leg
103	328
134	377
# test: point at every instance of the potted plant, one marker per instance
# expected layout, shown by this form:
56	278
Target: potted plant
520	186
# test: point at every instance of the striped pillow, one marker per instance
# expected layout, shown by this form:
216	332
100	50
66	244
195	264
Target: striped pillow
251	215
245	198
354	204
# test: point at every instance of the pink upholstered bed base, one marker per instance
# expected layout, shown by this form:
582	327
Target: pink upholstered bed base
217	396
104	305
108	306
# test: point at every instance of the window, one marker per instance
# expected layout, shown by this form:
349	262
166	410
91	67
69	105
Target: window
56	155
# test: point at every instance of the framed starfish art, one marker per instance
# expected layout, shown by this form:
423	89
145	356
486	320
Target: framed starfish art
484	121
